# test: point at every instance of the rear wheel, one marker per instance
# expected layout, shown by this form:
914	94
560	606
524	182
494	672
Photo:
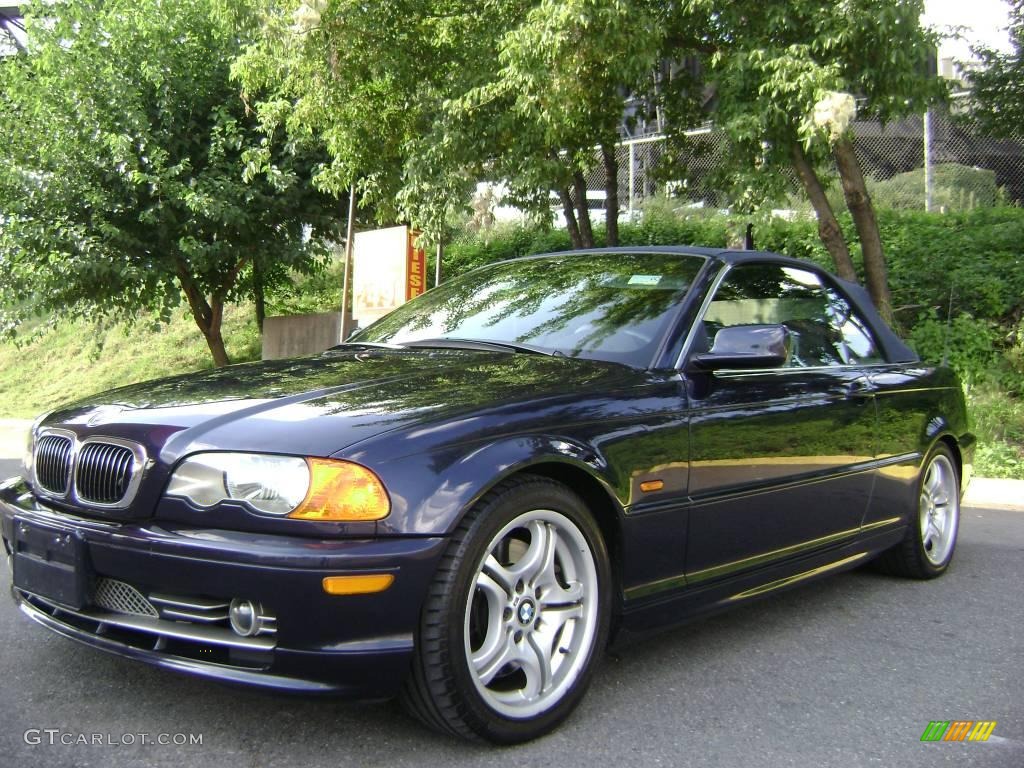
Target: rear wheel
516	617
931	538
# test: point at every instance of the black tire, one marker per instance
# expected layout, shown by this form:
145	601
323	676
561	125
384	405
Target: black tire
917	557
444	690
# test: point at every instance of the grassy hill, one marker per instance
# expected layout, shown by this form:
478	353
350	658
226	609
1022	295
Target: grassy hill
77	358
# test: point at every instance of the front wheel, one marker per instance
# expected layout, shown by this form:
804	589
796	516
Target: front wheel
515	618
931	539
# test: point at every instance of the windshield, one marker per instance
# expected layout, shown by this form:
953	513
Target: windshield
609	306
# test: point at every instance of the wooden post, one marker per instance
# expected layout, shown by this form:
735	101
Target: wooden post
346	309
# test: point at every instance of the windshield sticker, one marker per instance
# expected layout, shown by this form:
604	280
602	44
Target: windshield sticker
644	280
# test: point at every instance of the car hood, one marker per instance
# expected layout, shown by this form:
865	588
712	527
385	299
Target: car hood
321	405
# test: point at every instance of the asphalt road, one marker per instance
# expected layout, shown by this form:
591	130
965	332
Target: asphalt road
846	672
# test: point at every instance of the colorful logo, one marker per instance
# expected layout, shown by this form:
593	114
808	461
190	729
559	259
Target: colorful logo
958	730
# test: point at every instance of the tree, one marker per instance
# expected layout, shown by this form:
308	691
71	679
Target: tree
997	86
419	100
126	180
369	81
775	64
565	70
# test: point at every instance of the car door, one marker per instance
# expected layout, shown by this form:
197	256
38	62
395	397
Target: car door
781	458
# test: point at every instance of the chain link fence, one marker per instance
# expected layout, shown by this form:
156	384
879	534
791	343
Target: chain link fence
931	162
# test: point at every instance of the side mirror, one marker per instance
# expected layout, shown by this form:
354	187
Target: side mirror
745	347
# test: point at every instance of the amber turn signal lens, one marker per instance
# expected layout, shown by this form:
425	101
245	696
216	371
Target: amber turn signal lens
362	584
652	485
342	491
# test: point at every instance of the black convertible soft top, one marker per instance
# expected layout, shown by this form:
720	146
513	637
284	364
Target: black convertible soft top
893	347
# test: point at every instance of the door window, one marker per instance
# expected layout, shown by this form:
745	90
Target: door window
824	328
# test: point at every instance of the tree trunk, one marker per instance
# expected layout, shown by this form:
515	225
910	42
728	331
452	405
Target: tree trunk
258	295
214	339
582	211
611	194
207	314
876	275
570	217
828	227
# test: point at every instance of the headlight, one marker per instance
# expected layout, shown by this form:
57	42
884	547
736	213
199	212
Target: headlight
309	489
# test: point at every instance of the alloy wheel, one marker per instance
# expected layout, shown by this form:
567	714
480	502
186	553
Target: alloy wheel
531	619
939	510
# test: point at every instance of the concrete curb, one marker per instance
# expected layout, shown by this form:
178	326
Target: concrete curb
995	494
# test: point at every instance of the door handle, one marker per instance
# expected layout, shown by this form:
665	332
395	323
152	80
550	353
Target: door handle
860	387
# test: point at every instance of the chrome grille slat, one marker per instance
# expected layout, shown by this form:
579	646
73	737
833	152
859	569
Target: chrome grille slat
117	467
107	478
212	635
98	472
203	618
109	473
124	468
193	603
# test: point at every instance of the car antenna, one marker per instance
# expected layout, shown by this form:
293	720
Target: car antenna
949	325
748	238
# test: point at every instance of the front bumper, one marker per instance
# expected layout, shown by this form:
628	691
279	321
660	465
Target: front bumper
357	645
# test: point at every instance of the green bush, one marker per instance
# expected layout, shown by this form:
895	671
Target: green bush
970	346
508	241
978	256
998	422
308	294
660	224
955	187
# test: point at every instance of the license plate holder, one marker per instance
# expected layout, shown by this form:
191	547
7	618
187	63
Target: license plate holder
51	563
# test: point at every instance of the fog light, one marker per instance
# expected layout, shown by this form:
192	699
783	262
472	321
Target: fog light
244	616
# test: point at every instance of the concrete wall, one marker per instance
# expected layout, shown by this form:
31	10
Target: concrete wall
295	335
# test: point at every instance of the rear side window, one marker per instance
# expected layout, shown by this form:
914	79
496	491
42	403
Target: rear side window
825	329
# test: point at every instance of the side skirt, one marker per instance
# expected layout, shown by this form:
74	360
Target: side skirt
680	606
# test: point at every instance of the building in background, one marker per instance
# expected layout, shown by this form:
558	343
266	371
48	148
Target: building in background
979	22
12	30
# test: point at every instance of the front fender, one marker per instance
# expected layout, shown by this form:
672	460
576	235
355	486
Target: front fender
430	492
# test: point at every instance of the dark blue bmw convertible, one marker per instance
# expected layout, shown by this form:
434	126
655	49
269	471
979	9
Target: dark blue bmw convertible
464	504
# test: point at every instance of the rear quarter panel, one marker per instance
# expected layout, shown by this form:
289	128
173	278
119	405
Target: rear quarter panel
918	406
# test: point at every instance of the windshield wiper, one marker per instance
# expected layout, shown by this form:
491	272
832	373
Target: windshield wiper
362	345
482	346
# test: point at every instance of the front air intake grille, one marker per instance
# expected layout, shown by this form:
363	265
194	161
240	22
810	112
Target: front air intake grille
119	597
206	637
53	463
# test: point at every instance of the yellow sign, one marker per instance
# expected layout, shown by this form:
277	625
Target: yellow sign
388	270
416	269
